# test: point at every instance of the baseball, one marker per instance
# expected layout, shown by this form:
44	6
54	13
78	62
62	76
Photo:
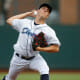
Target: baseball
35	13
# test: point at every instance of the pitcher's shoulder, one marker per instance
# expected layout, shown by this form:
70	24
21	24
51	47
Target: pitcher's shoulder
49	29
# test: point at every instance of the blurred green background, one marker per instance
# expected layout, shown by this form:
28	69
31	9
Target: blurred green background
67	58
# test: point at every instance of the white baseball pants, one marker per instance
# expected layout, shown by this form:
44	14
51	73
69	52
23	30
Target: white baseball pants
17	65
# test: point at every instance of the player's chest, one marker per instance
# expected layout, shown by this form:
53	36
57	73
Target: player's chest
29	30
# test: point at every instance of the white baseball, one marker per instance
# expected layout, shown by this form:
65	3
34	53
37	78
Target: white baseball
35	13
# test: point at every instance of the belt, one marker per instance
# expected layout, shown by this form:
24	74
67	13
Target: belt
23	57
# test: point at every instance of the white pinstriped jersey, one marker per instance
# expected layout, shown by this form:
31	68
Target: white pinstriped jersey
27	29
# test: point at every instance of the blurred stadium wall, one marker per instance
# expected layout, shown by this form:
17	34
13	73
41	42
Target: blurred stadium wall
64	12
67	58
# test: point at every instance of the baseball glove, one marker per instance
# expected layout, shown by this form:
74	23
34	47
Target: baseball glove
39	40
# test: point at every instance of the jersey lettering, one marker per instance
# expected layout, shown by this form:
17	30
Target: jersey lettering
28	32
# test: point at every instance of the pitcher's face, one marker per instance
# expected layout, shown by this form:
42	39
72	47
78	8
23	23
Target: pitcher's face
43	12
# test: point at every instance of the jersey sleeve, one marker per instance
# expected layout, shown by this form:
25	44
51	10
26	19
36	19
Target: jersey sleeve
17	23
52	38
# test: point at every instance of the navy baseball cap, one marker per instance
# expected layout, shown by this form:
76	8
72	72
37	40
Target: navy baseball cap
46	5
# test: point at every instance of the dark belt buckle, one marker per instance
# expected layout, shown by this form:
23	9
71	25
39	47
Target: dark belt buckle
29	58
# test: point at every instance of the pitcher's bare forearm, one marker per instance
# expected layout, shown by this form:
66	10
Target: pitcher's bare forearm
20	16
51	49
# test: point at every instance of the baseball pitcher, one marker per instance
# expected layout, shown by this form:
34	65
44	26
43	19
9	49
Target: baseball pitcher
34	36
